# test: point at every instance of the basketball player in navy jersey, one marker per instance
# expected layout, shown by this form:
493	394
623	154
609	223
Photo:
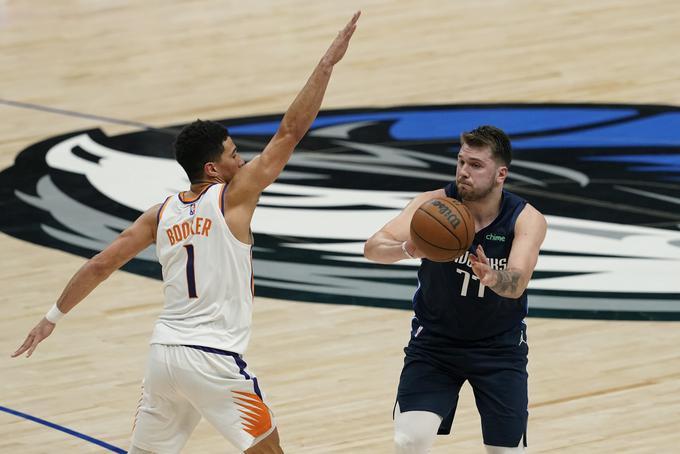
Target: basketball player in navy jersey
196	366
469	313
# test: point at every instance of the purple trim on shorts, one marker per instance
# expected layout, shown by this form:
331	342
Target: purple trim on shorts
213	350
242	368
239	362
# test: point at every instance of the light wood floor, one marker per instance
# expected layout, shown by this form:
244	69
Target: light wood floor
330	371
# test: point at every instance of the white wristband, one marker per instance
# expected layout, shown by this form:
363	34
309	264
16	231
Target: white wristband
54	314
403	248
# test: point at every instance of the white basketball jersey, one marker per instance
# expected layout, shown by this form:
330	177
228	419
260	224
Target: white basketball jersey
207	275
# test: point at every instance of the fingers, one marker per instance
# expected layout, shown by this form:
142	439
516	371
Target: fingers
348	31
39	333
481	254
478	268
478	259
349	34
354	19
34	344
24	346
480	263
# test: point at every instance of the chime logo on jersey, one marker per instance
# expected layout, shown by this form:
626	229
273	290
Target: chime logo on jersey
607	177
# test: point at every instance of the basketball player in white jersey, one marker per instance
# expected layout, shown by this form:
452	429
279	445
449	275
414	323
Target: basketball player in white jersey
203	242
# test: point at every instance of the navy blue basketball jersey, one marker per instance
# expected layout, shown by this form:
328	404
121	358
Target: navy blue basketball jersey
451	302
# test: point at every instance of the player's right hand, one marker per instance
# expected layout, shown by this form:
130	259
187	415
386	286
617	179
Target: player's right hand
43	329
339	45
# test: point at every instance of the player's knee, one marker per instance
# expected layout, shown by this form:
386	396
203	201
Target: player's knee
414	431
269	448
136	450
268	445
408	442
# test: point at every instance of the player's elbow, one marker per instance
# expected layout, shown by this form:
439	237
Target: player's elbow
372	251
371	247
369	250
290	132
100	267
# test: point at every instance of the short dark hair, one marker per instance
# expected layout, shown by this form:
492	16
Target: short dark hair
197	143
494	138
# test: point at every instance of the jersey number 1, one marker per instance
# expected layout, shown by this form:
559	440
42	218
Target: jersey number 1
191	278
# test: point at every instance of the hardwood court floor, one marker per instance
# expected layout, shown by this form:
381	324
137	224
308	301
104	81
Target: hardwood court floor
330	371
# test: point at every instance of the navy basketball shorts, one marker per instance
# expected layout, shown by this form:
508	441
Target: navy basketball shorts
435	368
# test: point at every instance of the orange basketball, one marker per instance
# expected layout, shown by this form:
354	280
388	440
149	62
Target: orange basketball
443	229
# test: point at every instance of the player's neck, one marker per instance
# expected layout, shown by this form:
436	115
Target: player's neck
199	186
484	211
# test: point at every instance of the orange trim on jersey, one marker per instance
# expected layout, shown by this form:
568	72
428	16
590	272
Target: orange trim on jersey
181	197
254	413
161	210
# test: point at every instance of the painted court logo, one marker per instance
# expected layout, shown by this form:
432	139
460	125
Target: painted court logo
606	176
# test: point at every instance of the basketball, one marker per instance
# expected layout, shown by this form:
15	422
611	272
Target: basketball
442	229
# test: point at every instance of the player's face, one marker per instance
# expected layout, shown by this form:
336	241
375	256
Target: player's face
477	173
230	161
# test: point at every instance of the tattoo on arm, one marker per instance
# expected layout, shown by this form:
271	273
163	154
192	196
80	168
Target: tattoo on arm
508	282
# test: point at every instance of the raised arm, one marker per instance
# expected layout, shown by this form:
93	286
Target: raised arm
393	241
261	171
511	282
127	245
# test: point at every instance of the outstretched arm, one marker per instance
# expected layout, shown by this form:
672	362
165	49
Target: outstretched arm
262	170
511	282
129	243
393	241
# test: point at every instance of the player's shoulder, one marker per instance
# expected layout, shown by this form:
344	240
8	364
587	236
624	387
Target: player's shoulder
513	197
155	210
531	218
155	213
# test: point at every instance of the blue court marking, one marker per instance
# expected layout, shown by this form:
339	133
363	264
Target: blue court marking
447	124
63	429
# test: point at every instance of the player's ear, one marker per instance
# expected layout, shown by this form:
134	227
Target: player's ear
210	169
501	174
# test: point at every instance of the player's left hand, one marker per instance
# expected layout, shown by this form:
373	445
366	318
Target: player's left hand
482	268
43	329
339	45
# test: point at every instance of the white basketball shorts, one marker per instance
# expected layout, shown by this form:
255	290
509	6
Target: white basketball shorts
183	383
